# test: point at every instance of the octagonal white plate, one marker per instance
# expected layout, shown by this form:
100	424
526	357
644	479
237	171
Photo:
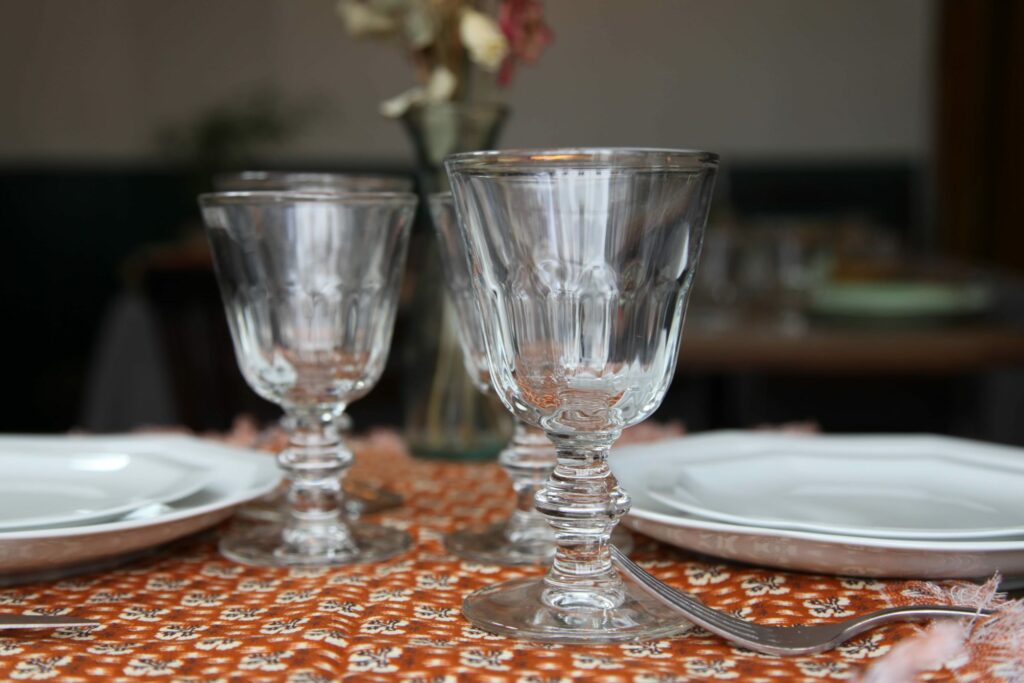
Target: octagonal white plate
236	476
888	488
42	486
638	467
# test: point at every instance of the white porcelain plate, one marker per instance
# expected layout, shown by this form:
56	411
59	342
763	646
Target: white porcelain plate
234	476
891	488
639	467
45	484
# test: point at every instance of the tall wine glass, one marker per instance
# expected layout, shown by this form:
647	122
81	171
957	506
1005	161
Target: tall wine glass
525	537
310	287
359	498
582	261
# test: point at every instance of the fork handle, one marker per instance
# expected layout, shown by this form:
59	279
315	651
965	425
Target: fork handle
856	625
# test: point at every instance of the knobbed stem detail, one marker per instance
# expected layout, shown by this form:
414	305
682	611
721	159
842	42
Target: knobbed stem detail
315	464
528	461
582	502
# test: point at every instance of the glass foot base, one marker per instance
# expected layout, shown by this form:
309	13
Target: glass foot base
360	499
514	609
365	499
490	545
263	545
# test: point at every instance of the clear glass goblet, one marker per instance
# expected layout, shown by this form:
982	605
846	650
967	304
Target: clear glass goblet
310	287
359	498
582	261
525	537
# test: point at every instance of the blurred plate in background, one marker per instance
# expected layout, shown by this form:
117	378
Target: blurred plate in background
906	301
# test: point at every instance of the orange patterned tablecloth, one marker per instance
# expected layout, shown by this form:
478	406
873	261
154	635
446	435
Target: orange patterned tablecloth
190	615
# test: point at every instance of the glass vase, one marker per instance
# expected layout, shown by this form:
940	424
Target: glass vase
445	416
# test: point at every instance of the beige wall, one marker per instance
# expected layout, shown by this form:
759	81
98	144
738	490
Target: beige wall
93	79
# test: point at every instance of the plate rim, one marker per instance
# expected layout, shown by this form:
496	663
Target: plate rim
692	522
659	492
183	490
221	501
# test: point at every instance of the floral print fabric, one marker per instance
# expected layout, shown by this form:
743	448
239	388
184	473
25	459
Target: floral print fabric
189	615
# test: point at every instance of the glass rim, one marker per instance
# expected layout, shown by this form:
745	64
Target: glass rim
329	178
562	157
326	196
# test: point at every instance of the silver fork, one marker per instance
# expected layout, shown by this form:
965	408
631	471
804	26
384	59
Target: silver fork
780	640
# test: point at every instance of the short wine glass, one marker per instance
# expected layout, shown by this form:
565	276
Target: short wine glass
359	498
582	261
310	287
525	537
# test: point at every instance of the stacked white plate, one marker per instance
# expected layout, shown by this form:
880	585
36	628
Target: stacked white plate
884	506
73	500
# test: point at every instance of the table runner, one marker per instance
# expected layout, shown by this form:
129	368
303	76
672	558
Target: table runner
189	615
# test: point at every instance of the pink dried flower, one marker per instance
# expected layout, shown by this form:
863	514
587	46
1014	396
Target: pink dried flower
522	22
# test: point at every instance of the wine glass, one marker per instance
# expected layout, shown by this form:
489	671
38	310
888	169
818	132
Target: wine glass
310	287
582	261
525	537
359	498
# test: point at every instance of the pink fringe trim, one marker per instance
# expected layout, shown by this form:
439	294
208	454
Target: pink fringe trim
985	649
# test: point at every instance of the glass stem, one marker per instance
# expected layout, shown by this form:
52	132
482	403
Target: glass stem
528	461
582	502
315	463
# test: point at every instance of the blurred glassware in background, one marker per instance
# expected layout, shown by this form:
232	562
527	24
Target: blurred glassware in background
790	273
877	282
310	285
764	270
716	293
803	263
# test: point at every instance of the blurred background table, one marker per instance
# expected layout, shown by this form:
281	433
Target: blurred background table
963	379
753	346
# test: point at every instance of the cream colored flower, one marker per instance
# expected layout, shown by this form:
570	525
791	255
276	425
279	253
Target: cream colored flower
442	85
483	39
394	107
363	22
439	88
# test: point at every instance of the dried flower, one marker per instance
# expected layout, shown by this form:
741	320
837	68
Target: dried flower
483	39
446	39
441	85
363	21
522	22
439	88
